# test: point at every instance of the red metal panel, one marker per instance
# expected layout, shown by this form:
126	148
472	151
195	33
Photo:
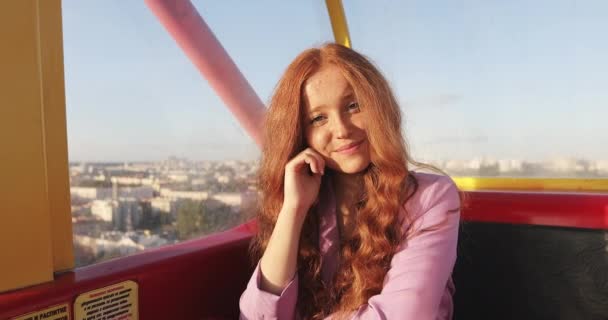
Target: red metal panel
197	279
204	278
546	209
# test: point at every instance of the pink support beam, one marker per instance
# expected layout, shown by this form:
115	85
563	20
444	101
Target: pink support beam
187	27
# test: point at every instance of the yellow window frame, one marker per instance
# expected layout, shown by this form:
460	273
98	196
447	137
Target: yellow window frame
36	237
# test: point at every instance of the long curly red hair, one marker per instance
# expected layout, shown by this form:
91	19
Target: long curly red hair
365	257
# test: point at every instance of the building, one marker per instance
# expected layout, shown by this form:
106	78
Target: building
128	214
232	199
164	208
192	195
103	209
91	192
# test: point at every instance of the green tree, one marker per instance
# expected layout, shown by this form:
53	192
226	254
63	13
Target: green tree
197	218
218	217
189	219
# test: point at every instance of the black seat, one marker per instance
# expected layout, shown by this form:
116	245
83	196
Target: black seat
507	271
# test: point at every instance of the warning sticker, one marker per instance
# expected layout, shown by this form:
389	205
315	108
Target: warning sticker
115	302
59	312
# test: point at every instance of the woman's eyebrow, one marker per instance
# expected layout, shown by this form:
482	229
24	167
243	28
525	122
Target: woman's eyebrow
317	108
348	95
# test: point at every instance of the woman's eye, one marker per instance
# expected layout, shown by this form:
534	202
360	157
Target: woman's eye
353	106
317	119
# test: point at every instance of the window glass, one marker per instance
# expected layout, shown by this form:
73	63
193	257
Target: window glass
155	157
495	88
488	88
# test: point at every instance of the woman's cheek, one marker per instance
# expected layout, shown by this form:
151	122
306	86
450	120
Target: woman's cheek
311	139
322	142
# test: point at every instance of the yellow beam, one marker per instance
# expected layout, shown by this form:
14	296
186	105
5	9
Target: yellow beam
25	240
55	132
34	193
531	184
338	22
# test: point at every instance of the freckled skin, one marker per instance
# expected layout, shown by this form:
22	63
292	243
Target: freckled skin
334	119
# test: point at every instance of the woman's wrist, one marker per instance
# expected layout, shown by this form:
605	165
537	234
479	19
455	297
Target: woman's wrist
294	212
278	264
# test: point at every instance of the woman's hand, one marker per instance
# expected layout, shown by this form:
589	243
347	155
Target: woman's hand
303	180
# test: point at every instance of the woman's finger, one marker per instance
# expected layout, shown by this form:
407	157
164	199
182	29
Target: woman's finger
318	158
302	161
314	166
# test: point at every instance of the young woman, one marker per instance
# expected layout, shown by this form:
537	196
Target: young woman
345	229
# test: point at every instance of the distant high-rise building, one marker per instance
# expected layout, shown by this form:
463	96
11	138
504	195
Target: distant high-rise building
128	214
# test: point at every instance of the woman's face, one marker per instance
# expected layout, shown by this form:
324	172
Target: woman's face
334	124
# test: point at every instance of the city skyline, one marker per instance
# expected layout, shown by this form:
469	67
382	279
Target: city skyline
475	80
123	208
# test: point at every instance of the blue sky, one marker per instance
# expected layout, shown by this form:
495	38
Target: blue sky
503	79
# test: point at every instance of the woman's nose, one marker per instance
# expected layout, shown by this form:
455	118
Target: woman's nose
342	128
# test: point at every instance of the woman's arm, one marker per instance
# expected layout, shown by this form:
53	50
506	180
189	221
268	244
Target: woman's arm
301	188
272	289
278	264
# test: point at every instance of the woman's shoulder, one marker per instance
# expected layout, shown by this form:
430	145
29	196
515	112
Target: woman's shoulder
432	190
433	187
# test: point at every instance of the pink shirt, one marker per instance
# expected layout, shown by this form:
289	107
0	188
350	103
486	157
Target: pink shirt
417	286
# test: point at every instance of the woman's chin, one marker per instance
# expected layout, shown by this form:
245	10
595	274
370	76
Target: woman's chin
351	167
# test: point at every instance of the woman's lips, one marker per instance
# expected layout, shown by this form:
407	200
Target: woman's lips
350	148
